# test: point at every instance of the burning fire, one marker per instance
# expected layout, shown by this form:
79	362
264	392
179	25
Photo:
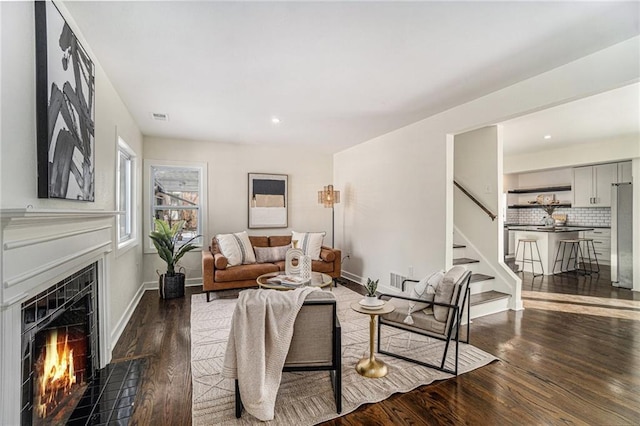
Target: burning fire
57	376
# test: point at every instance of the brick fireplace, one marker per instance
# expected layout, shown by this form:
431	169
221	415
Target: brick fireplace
53	310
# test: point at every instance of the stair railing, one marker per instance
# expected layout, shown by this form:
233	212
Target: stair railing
475	200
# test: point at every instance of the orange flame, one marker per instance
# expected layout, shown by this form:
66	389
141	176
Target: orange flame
58	374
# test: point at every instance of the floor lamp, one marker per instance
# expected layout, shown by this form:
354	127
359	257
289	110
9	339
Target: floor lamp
329	197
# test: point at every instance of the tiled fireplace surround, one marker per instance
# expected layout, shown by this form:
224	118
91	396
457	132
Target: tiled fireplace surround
40	248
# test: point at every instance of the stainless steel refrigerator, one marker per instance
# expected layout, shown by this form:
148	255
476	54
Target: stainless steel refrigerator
622	235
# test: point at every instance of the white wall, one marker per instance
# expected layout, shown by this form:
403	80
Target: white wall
18	147
608	151
228	166
477	168
555	177
398	204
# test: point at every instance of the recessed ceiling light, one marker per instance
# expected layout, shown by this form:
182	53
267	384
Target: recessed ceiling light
275	120
547	136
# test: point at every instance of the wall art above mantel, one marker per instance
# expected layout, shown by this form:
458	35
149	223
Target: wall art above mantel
65	108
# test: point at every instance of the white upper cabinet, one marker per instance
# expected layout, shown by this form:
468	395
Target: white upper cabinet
592	185
582	186
624	172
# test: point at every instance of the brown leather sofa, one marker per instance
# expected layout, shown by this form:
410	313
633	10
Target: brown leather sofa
216	275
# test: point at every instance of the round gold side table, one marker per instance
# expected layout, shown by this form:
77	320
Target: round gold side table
372	367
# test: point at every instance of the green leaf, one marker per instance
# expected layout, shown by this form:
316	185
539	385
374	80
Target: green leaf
164	239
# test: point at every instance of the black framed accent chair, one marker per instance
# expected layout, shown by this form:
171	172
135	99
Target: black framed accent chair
316	344
439	319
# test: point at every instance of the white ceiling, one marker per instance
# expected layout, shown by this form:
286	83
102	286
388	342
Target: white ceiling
608	116
335	73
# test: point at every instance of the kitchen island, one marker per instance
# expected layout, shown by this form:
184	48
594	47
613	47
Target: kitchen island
548	240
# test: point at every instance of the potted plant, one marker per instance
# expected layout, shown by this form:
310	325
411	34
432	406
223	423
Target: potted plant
371	286
165	239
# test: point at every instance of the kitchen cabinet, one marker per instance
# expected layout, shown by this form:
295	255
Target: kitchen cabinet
592	185
624	172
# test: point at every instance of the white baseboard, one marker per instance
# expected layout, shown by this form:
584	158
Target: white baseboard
190	282
353	277
126	316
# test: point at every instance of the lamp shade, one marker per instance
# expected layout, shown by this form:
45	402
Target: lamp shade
328	196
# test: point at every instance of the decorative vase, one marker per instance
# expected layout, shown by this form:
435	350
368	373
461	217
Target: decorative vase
293	261
305	270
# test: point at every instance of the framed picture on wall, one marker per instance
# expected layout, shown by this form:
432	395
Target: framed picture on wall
65	109
268	200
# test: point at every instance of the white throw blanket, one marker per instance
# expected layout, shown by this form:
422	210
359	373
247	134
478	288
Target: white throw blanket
259	340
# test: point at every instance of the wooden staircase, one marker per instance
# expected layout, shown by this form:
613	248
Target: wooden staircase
484	299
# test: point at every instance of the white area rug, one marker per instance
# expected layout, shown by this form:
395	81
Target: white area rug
306	398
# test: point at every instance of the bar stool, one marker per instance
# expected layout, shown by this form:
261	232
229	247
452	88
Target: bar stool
574	253
591	248
530	242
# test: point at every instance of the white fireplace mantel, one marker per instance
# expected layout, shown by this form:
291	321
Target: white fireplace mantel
38	248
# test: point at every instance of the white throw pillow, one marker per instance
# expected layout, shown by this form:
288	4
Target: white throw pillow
309	242
426	287
425	290
236	248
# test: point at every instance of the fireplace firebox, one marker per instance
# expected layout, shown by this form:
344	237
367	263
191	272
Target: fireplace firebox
59	348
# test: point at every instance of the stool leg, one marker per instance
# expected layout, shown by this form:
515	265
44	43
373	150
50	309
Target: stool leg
571	256
539	260
589	257
595	256
564	251
517	249
555	261
580	255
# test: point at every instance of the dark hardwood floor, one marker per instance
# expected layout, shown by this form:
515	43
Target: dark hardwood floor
563	359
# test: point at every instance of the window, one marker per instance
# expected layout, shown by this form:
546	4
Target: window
177	193
125	197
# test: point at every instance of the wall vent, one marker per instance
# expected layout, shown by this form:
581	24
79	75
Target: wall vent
159	116
396	280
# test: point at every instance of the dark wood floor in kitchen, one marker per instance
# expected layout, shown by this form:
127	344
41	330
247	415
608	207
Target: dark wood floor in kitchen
559	363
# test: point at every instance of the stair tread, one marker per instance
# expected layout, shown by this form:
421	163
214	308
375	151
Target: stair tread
464	260
480	277
487	296
458	246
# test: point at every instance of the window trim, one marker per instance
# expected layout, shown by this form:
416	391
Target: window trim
149	197
123	245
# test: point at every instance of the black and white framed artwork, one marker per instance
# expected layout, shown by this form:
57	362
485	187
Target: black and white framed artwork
65	104
268	200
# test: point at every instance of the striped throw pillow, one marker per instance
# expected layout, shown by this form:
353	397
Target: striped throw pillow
309	242
236	248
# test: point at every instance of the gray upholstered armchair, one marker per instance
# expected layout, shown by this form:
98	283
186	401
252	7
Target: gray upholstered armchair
440	320
316	344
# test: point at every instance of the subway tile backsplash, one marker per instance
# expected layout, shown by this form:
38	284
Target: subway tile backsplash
576	216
